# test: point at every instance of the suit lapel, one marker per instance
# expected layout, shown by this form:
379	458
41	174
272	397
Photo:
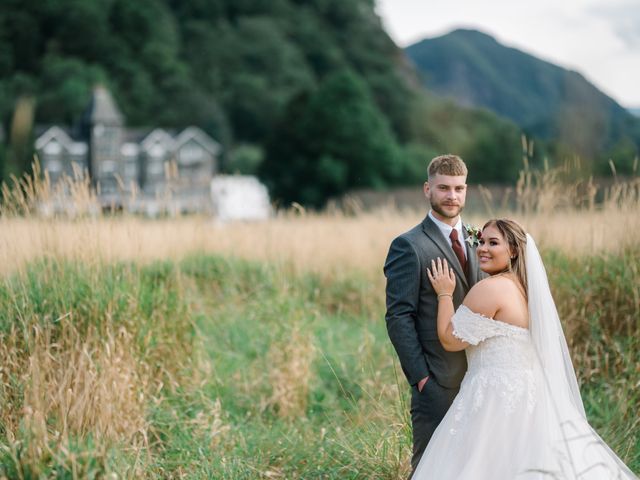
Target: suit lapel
433	232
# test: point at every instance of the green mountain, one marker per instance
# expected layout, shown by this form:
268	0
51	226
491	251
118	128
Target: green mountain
547	101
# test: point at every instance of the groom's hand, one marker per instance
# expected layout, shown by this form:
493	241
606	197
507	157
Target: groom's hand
422	383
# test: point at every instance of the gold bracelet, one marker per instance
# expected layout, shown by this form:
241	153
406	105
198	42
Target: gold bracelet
445	295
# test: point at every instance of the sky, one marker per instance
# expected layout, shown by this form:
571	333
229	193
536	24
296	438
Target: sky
598	38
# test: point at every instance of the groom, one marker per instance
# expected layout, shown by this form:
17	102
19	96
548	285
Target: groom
412	305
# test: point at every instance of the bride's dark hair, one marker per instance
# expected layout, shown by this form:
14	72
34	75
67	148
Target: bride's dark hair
516	237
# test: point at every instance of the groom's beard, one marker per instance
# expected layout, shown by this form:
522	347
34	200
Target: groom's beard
451	212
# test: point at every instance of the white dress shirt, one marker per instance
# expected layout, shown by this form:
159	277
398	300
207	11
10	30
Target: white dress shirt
446	231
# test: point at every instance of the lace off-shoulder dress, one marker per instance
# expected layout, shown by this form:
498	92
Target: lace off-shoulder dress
502	425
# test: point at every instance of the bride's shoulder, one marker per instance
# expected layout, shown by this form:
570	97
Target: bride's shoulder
490	285
486	296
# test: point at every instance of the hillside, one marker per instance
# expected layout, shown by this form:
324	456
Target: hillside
228	66
547	101
312	96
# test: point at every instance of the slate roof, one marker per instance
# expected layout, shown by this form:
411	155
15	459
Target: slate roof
102	109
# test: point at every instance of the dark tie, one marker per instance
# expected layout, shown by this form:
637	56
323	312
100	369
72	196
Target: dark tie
457	249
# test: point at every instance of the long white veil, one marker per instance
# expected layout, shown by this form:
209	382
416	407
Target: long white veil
576	439
548	337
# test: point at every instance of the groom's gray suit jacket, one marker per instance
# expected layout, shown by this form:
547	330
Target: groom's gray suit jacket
412	304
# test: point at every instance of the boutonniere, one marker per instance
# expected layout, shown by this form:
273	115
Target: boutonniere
474	235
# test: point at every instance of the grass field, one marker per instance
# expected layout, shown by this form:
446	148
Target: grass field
179	348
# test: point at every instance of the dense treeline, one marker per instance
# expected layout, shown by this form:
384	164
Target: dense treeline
312	95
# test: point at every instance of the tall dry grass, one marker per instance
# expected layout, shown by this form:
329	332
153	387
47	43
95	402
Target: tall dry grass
290	365
84	351
578	216
559	215
76	384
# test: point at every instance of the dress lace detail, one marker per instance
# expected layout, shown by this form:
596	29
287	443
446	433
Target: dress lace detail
474	327
500	359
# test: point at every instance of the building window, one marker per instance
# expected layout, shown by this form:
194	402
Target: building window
130	170
108	167
52	148
52	164
156	151
106	143
155	168
190	154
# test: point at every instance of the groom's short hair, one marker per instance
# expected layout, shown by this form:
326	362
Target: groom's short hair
447	165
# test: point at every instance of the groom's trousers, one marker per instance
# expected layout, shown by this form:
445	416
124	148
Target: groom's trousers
428	408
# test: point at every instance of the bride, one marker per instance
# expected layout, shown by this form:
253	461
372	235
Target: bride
519	414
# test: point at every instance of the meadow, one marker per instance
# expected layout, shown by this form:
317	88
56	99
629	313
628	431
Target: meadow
182	348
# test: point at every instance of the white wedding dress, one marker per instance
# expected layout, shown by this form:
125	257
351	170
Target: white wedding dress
518	414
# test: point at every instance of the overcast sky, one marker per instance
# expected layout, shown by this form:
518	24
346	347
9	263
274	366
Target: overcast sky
598	38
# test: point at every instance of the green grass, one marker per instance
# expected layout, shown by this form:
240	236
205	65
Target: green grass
210	332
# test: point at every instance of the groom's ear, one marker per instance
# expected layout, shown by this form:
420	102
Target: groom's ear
425	189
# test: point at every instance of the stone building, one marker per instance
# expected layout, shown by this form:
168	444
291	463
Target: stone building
139	169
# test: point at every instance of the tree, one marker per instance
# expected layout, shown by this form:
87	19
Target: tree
66	86
329	142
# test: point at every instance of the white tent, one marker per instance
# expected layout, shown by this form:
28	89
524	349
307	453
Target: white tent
239	197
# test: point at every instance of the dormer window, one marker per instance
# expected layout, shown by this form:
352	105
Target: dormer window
52	148
156	151
191	154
